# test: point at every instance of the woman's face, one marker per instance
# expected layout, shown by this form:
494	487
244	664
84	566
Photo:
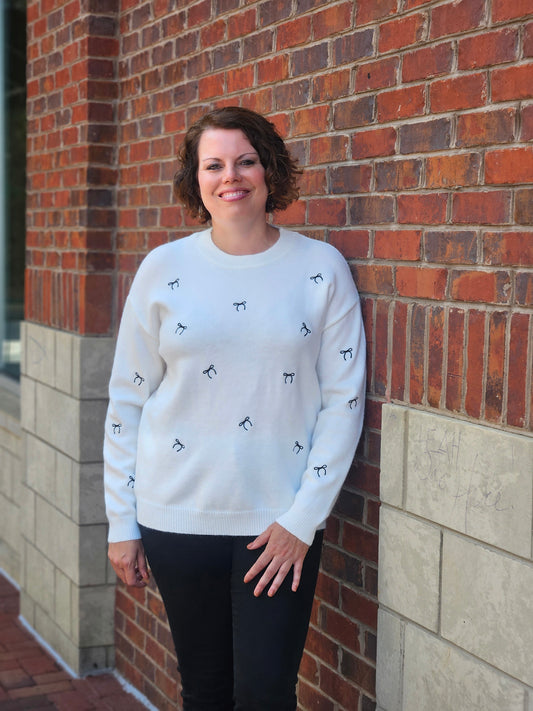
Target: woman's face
231	177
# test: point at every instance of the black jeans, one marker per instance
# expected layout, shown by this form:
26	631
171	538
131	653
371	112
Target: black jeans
235	652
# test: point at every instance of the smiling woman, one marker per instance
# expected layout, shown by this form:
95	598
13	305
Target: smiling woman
281	171
232	186
233	419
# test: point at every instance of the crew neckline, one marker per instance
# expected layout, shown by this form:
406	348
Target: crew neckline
215	254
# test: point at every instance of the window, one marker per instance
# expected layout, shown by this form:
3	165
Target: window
12	181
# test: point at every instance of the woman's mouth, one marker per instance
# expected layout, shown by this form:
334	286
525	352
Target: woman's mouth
232	195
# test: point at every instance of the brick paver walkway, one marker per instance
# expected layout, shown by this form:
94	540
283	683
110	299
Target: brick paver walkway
30	679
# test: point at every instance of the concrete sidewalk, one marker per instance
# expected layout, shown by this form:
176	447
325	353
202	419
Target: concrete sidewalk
31	679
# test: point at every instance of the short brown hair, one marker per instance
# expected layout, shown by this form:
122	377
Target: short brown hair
281	169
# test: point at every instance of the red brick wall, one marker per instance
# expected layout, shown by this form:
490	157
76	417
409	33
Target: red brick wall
413	120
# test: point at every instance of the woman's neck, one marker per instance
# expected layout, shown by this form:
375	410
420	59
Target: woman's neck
242	239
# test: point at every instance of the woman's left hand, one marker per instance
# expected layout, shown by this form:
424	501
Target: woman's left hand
283	551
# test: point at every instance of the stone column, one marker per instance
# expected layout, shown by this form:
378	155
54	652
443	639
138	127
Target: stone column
68	590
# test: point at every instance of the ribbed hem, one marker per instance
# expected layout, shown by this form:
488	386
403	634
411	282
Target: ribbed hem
207	523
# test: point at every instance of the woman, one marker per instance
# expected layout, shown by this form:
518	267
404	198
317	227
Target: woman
236	403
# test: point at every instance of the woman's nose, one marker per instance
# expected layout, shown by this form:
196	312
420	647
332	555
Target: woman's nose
231	173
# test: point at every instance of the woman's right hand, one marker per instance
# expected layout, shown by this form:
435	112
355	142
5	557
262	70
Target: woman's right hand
129	562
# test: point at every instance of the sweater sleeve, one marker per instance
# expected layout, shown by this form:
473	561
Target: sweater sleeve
342	374
137	372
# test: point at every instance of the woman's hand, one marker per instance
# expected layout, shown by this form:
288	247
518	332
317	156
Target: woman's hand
283	551
129	562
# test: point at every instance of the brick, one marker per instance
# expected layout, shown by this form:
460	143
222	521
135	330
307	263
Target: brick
489	287
311	697
372	513
313	182
332	20
421	282
399	343
425	136
527	123
339	627
512	83
503	10
518	369
340	690
455	360
321	646
341	565
95	294
427	62
402	245
528	40
397	175
310	59
353	113
353	244
333	85
359	672
417	354
400	33
215	32
293	215
309	668
484	208
376	75
274	11
363	543
508	248
380	344
523	210
327	211
289	96
486	128
373	279
435	356
240	79
463	92
363	476
400	103
258	44
450	247
524	288
495	366
293	33
454	17
373	143
488	49
350	178
371	10
457	170
326	149
371	209
423	208
474	362
306	120
353	46
509	166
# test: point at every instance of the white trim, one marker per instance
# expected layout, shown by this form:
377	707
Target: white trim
133	691
48	649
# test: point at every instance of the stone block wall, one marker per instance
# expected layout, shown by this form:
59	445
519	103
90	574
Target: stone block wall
11	465
67	589
456	565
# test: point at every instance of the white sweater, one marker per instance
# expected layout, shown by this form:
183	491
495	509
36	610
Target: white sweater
237	390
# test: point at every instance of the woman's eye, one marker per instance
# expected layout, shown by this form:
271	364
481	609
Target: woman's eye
248	161
213	166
